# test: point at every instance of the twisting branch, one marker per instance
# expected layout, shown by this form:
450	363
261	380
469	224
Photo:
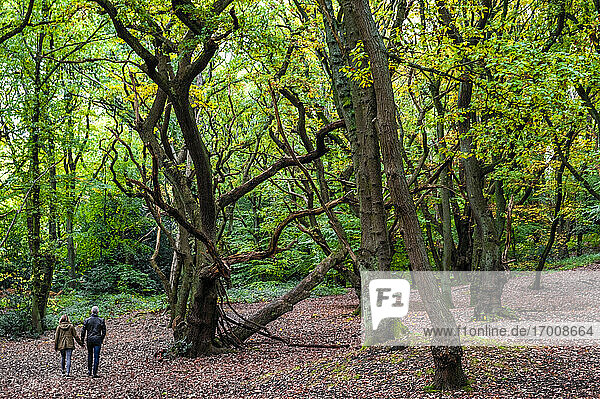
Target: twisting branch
19	28
189	15
577	175
163	278
433	178
422	68
334	223
150	60
154	197
277	307
272	249
233	195
422	160
219	267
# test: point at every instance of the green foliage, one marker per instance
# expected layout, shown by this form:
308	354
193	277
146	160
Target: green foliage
572	262
524	103
575	262
16	324
112	257
117	278
15	319
78	305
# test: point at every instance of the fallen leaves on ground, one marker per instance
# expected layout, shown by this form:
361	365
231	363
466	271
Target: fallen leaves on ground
268	369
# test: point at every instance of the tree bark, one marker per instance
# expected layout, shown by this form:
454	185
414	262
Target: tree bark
487	290
40	286
202	318
558	201
357	106
448	360
446	181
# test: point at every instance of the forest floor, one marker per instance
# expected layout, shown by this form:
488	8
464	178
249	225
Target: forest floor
132	367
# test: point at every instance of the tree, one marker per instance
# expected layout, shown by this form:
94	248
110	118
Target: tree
195	272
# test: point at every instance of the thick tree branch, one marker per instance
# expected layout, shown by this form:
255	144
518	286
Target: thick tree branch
150	60
284	304
272	250
238	192
155	196
163	278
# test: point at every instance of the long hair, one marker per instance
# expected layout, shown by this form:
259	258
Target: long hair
64	318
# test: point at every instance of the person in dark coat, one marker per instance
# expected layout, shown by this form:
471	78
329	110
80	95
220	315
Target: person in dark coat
95	329
64	341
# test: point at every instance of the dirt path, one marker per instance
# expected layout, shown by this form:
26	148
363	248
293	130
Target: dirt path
266	369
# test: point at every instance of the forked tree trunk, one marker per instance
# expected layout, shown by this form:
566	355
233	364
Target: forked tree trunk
199	207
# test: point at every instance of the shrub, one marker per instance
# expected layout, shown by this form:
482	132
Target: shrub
118	278
16	324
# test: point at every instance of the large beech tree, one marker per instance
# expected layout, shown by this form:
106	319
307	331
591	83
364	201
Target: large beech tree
193	283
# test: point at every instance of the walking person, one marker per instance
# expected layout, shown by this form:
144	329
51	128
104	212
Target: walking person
95	328
64	341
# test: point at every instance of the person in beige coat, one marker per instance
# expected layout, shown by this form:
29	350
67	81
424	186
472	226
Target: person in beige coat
64	341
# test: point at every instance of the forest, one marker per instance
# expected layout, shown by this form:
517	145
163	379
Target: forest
215	175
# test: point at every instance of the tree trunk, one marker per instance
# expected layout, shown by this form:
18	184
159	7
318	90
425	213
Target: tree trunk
70	186
70	246
357	106
488	288
449	372
556	220
284	304
446	215
180	280
463	222
41	284
202	318
38	305
448	367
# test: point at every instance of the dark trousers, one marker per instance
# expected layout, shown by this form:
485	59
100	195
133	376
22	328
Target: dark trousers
93	358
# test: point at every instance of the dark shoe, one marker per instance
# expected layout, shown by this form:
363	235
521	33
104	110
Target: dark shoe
95	376
89	374
68	375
